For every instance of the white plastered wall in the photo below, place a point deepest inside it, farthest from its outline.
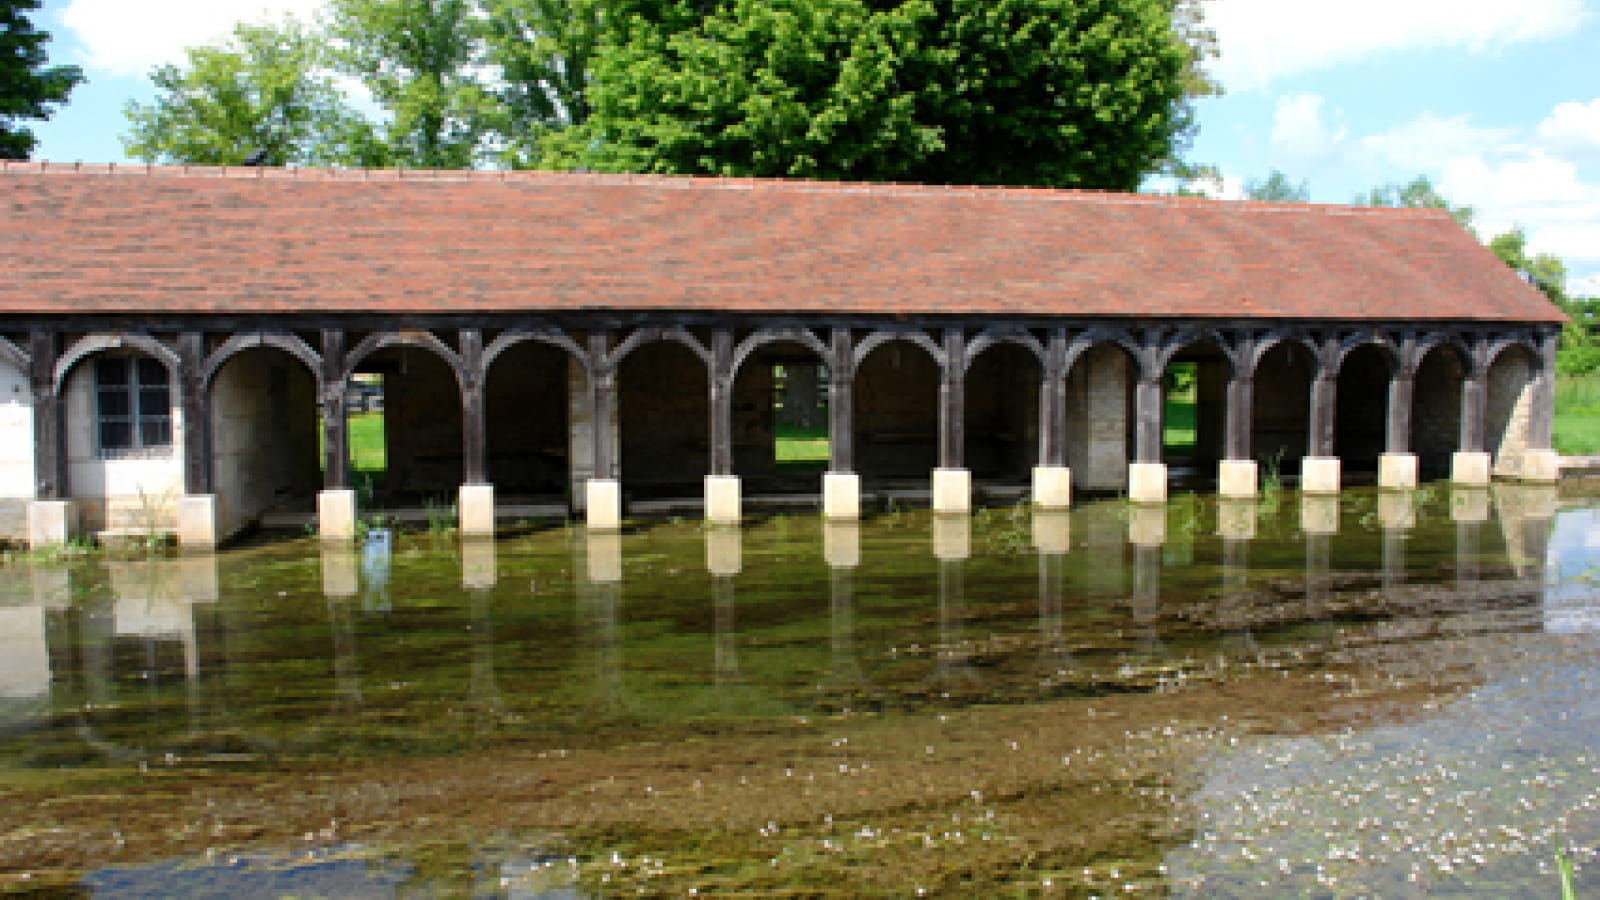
(118, 494)
(17, 481)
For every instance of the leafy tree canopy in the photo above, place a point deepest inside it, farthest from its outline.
(1419, 193)
(1045, 92)
(1277, 188)
(28, 87)
(268, 90)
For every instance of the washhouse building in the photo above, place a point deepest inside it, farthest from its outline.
(181, 348)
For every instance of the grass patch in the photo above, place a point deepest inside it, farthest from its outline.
(1577, 419)
(366, 442)
(801, 447)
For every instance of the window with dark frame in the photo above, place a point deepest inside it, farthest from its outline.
(133, 406)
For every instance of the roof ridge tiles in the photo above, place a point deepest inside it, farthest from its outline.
(685, 182)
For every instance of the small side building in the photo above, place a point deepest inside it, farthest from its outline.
(180, 347)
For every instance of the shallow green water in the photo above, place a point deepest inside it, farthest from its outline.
(1451, 636)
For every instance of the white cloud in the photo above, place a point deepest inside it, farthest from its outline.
(1263, 40)
(1422, 143)
(1300, 138)
(1573, 128)
(128, 37)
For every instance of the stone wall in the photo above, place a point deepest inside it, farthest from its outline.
(1509, 403)
(1099, 416)
(1436, 411)
(264, 433)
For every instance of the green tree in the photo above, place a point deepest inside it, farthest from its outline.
(267, 90)
(28, 87)
(1419, 193)
(422, 60)
(1048, 92)
(1277, 188)
(545, 51)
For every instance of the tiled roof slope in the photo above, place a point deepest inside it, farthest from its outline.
(167, 240)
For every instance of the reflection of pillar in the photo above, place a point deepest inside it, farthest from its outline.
(478, 564)
(842, 548)
(599, 599)
(1526, 514)
(1469, 509)
(484, 693)
(724, 561)
(952, 545)
(1145, 603)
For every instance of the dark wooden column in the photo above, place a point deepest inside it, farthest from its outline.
(474, 427)
(1236, 444)
(841, 402)
(196, 402)
(1402, 387)
(1053, 403)
(1324, 389)
(952, 401)
(720, 382)
(1148, 399)
(1472, 412)
(49, 443)
(335, 434)
(602, 397)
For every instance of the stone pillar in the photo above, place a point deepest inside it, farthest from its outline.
(1237, 474)
(197, 522)
(1470, 468)
(952, 491)
(1320, 474)
(51, 523)
(335, 433)
(1397, 471)
(952, 483)
(603, 504)
(722, 499)
(336, 514)
(475, 510)
(841, 496)
(1052, 487)
(841, 486)
(1147, 475)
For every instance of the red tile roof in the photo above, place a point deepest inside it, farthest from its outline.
(171, 240)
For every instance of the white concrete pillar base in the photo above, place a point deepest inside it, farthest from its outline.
(475, 510)
(51, 523)
(841, 544)
(1237, 478)
(1052, 531)
(1397, 471)
(1147, 525)
(1147, 482)
(1469, 504)
(724, 550)
(722, 499)
(841, 496)
(336, 515)
(1320, 475)
(1052, 487)
(1236, 518)
(952, 537)
(1319, 514)
(603, 504)
(197, 521)
(952, 491)
(1470, 469)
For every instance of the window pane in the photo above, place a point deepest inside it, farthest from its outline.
(152, 372)
(115, 436)
(111, 370)
(114, 402)
(155, 432)
(154, 402)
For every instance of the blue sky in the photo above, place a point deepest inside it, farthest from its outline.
(1497, 102)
